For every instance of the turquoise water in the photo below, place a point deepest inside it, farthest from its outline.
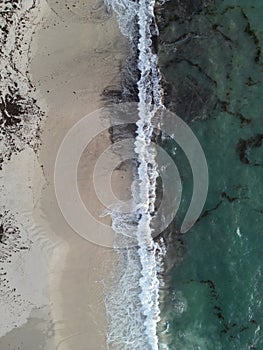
(212, 298)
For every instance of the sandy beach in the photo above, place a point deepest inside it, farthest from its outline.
(73, 57)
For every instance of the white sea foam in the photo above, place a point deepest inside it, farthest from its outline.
(133, 302)
(126, 11)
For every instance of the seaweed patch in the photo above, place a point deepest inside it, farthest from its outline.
(244, 148)
(11, 242)
(20, 117)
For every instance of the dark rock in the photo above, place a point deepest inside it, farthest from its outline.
(122, 132)
(186, 9)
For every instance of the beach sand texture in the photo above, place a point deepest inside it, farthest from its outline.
(75, 53)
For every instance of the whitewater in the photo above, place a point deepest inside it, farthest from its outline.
(133, 301)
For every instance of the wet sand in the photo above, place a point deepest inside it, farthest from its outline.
(72, 64)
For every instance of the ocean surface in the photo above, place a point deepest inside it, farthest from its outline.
(211, 61)
(201, 289)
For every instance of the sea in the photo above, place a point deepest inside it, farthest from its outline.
(201, 288)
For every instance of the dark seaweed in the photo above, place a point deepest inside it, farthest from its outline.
(244, 146)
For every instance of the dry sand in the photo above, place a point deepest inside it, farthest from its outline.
(74, 56)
